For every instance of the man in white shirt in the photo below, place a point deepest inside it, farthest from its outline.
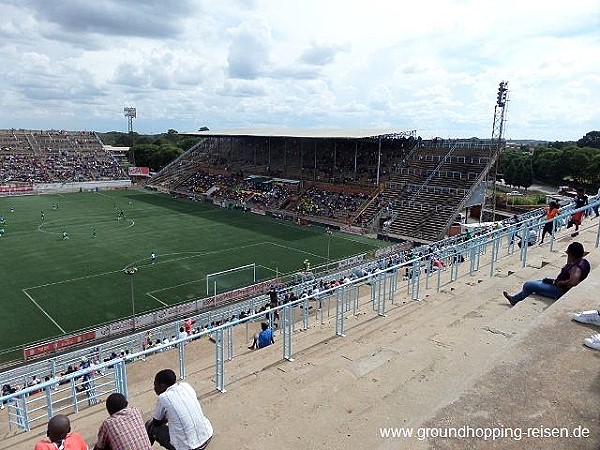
(178, 422)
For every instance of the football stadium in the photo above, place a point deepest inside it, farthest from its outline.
(370, 258)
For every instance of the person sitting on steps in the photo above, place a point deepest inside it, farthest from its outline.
(574, 272)
(264, 338)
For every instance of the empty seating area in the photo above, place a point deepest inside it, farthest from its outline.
(177, 172)
(437, 180)
(34, 156)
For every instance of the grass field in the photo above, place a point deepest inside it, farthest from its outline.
(51, 286)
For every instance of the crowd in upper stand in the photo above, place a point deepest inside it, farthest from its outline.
(54, 156)
(328, 160)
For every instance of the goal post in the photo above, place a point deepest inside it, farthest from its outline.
(230, 279)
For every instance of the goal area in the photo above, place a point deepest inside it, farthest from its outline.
(230, 279)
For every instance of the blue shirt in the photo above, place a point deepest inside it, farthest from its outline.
(265, 338)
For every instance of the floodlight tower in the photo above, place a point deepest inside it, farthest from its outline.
(498, 142)
(130, 113)
(499, 110)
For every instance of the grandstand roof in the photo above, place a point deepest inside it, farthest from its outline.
(341, 133)
(112, 148)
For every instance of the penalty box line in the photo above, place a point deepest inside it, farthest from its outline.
(43, 311)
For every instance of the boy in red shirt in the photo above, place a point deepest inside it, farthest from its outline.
(60, 436)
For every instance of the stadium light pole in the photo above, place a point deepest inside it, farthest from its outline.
(329, 236)
(131, 113)
(131, 271)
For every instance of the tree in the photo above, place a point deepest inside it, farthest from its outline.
(591, 139)
(156, 156)
(515, 166)
(547, 165)
(154, 151)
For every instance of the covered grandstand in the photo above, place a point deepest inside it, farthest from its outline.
(393, 184)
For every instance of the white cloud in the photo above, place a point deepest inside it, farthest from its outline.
(248, 53)
(433, 65)
(319, 54)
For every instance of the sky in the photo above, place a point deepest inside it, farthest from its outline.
(432, 65)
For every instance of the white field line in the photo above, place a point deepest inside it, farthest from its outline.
(176, 286)
(44, 312)
(267, 268)
(157, 299)
(297, 250)
(149, 293)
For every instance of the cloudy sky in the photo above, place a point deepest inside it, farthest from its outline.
(429, 65)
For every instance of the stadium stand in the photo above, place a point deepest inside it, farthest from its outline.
(422, 186)
(432, 186)
(33, 156)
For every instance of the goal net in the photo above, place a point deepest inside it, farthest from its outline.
(228, 280)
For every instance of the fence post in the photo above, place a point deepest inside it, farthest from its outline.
(339, 312)
(181, 359)
(286, 328)
(219, 361)
(381, 291)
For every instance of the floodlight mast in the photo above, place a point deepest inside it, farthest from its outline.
(498, 142)
(131, 113)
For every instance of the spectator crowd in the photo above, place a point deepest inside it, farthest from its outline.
(54, 156)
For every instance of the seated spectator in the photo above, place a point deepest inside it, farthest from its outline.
(60, 436)
(124, 428)
(7, 389)
(182, 333)
(178, 421)
(574, 272)
(438, 264)
(264, 338)
(187, 324)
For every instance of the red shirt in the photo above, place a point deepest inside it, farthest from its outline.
(73, 441)
(551, 213)
(188, 325)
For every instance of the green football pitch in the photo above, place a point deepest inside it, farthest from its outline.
(52, 286)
